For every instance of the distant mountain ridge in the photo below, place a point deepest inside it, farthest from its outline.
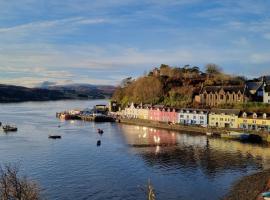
(12, 93)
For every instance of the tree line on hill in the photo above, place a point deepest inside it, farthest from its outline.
(172, 86)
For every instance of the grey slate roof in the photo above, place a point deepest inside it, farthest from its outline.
(226, 111)
(213, 89)
(254, 85)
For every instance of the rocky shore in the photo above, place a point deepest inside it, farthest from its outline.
(250, 187)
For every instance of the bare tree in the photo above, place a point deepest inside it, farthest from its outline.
(16, 187)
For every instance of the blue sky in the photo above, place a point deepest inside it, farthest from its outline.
(102, 42)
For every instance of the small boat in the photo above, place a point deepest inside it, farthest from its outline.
(266, 195)
(209, 133)
(244, 137)
(55, 136)
(100, 131)
(8, 128)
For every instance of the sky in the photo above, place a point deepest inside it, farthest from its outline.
(105, 41)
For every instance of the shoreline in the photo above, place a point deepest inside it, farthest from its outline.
(187, 128)
(250, 187)
(160, 125)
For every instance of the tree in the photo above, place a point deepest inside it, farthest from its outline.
(125, 82)
(15, 187)
(212, 69)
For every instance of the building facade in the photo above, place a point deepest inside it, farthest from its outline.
(131, 111)
(254, 121)
(155, 113)
(224, 118)
(193, 117)
(169, 115)
(266, 93)
(143, 112)
(217, 95)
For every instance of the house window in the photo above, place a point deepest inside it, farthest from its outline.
(221, 97)
(194, 117)
(181, 116)
(201, 117)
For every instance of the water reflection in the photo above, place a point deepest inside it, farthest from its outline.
(213, 156)
(137, 136)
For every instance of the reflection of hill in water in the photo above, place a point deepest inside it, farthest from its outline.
(181, 151)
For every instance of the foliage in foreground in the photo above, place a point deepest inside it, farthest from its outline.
(16, 187)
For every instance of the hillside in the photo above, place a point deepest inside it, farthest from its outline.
(172, 86)
(11, 93)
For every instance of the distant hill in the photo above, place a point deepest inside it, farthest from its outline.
(11, 93)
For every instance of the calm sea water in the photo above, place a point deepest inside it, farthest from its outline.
(182, 166)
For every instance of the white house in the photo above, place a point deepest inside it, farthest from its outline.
(131, 111)
(193, 117)
(266, 93)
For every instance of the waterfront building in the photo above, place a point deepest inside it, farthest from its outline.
(217, 95)
(193, 117)
(143, 111)
(131, 111)
(255, 90)
(224, 118)
(169, 115)
(266, 93)
(254, 121)
(155, 113)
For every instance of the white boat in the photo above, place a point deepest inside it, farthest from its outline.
(209, 133)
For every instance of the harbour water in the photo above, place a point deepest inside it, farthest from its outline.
(179, 165)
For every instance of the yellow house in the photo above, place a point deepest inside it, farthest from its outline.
(224, 118)
(143, 112)
(254, 121)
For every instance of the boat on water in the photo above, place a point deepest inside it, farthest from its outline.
(209, 133)
(54, 136)
(243, 137)
(9, 128)
(100, 131)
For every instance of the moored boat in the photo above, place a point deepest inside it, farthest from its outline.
(209, 133)
(8, 128)
(55, 136)
(100, 131)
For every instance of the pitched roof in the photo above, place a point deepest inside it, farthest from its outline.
(254, 85)
(235, 89)
(193, 109)
(259, 115)
(225, 111)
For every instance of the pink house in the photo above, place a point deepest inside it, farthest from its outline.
(169, 115)
(155, 113)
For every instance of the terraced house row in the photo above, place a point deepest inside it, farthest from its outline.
(220, 118)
